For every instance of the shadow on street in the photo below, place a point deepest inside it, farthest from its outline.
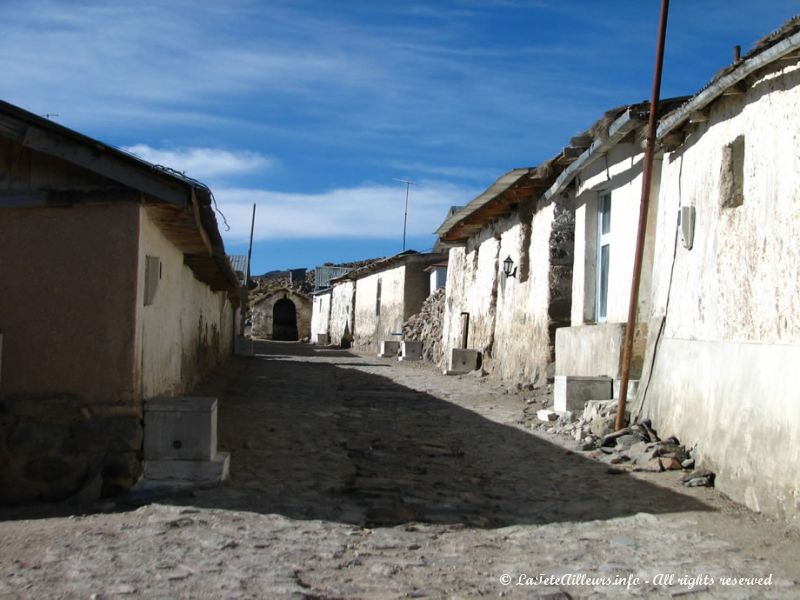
(312, 437)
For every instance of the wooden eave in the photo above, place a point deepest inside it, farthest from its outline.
(500, 206)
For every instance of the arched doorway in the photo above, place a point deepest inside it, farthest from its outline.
(284, 320)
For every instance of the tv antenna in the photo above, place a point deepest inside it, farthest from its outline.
(48, 115)
(405, 216)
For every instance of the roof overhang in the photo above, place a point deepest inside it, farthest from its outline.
(180, 205)
(622, 126)
(497, 200)
(727, 81)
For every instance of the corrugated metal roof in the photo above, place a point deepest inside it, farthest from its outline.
(238, 262)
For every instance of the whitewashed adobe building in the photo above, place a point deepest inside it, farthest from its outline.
(370, 304)
(114, 289)
(725, 304)
(605, 185)
(510, 318)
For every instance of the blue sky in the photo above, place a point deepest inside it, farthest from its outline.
(311, 108)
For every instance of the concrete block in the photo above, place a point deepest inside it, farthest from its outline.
(243, 346)
(410, 351)
(590, 350)
(323, 339)
(463, 360)
(190, 472)
(182, 428)
(633, 389)
(389, 348)
(572, 392)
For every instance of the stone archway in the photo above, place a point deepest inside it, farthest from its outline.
(284, 320)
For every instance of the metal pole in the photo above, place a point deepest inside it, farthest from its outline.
(405, 215)
(643, 208)
(250, 248)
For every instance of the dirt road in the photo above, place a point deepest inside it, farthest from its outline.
(359, 477)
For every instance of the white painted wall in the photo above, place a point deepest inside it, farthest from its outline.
(320, 314)
(188, 327)
(371, 326)
(508, 317)
(722, 377)
(586, 348)
(620, 172)
(342, 306)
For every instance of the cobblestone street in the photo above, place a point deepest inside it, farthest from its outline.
(359, 477)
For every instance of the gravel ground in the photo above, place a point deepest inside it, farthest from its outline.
(359, 477)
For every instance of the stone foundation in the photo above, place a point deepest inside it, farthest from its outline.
(52, 446)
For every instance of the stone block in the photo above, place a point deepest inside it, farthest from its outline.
(180, 429)
(594, 409)
(410, 350)
(463, 360)
(389, 348)
(323, 339)
(572, 392)
(188, 472)
(243, 346)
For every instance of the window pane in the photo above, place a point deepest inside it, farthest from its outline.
(602, 301)
(605, 211)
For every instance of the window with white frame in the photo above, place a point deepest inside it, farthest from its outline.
(603, 254)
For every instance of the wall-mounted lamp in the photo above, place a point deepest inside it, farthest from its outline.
(508, 268)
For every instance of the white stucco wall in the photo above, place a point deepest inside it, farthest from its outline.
(188, 327)
(508, 317)
(731, 340)
(342, 305)
(589, 349)
(620, 173)
(471, 276)
(370, 326)
(320, 314)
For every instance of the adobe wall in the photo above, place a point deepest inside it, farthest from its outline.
(70, 406)
(320, 314)
(731, 339)
(187, 329)
(376, 321)
(590, 347)
(512, 320)
(342, 313)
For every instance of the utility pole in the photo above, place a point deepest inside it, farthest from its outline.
(647, 173)
(405, 215)
(250, 247)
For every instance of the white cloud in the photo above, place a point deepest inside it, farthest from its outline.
(203, 163)
(366, 212)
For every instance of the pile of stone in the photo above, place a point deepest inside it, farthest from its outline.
(634, 448)
(426, 327)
